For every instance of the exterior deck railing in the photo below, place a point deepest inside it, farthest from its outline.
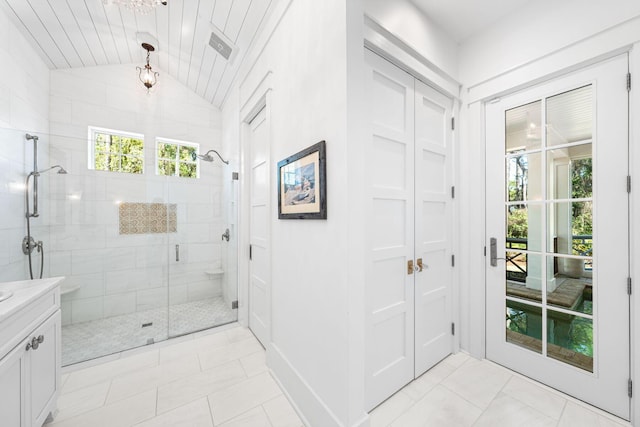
(516, 261)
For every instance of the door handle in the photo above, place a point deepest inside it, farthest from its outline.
(493, 252)
(419, 262)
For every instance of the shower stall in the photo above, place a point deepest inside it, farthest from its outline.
(146, 256)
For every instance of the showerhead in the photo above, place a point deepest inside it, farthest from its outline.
(31, 137)
(61, 170)
(207, 157)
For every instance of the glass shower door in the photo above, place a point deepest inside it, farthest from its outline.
(202, 284)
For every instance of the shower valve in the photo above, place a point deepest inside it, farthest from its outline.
(28, 245)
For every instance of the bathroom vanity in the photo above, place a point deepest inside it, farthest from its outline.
(30, 351)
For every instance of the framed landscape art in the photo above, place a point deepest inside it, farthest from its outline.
(302, 185)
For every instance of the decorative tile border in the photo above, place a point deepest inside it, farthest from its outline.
(148, 218)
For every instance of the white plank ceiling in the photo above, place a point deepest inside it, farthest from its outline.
(85, 33)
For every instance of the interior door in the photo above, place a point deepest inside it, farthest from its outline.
(433, 218)
(408, 303)
(557, 207)
(390, 269)
(259, 273)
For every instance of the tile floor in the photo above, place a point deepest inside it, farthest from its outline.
(219, 377)
(463, 391)
(96, 338)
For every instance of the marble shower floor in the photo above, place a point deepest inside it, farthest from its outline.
(96, 338)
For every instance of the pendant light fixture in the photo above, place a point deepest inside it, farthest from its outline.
(139, 6)
(147, 76)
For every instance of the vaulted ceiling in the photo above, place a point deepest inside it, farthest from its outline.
(85, 33)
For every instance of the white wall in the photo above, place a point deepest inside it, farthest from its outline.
(24, 107)
(406, 22)
(536, 30)
(540, 41)
(533, 44)
(120, 274)
(310, 349)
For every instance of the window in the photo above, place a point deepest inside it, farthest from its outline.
(176, 158)
(116, 151)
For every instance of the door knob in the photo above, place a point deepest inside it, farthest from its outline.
(419, 262)
(35, 342)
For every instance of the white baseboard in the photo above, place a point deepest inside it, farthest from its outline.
(312, 410)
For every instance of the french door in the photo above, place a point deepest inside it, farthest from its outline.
(557, 234)
(408, 277)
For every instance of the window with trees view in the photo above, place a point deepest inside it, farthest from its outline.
(115, 151)
(176, 158)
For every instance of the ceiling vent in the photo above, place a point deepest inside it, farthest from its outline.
(221, 44)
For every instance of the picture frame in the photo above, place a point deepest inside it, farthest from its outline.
(302, 184)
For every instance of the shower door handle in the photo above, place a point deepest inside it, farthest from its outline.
(177, 253)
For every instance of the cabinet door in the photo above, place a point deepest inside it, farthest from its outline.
(12, 387)
(44, 369)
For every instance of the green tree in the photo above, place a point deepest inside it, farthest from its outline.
(517, 226)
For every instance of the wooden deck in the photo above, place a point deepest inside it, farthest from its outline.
(569, 294)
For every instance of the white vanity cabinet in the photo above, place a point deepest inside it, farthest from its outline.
(30, 355)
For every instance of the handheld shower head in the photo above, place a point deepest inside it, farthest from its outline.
(207, 157)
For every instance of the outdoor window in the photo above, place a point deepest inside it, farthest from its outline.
(116, 151)
(176, 158)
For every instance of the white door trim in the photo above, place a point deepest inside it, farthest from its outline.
(258, 99)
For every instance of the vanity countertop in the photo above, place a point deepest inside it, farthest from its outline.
(24, 292)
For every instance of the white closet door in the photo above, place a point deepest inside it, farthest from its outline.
(259, 270)
(433, 218)
(390, 294)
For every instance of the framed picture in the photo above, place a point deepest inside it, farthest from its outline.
(302, 184)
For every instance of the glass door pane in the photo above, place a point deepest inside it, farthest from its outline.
(549, 227)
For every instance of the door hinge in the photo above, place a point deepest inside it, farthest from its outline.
(234, 304)
(453, 328)
(630, 388)
(628, 82)
(453, 123)
(628, 285)
(250, 252)
(485, 251)
(453, 260)
(453, 192)
(628, 183)
(234, 176)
